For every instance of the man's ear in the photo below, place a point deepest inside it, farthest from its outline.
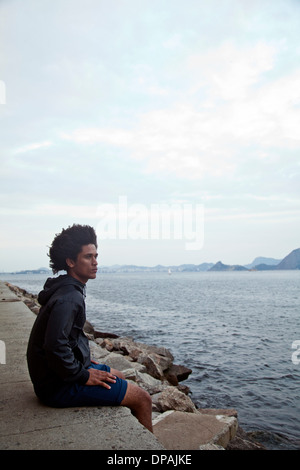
(70, 263)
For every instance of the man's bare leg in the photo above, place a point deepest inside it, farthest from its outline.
(140, 403)
(138, 400)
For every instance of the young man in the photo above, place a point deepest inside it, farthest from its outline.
(58, 352)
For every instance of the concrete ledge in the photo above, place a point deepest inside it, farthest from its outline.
(26, 424)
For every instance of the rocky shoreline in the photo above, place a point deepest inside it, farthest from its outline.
(153, 369)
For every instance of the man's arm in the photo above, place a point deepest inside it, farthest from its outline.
(57, 346)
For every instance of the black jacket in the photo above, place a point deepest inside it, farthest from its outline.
(58, 350)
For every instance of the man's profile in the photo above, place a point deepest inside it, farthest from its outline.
(58, 352)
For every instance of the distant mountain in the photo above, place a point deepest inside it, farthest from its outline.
(33, 271)
(263, 261)
(193, 267)
(264, 267)
(291, 261)
(219, 266)
(157, 268)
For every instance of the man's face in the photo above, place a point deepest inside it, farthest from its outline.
(85, 266)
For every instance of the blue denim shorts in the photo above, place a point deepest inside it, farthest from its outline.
(89, 395)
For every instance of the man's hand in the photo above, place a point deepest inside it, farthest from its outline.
(100, 377)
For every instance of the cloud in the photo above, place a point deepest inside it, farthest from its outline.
(110, 136)
(228, 114)
(144, 80)
(58, 210)
(229, 70)
(33, 146)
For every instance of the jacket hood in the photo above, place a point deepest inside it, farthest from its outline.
(54, 283)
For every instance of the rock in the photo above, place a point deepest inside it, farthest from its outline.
(144, 380)
(97, 353)
(106, 343)
(158, 360)
(183, 388)
(150, 384)
(163, 361)
(172, 399)
(116, 361)
(218, 411)
(211, 447)
(127, 346)
(228, 432)
(155, 364)
(134, 348)
(243, 441)
(130, 374)
(89, 329)
(100, 334)
(178, 430)
(177, 373)
(160, 351)
(138, 367)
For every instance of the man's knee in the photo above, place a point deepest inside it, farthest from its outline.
(145, 396)
(136, 397)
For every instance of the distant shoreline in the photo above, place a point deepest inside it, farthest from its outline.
(290, 262)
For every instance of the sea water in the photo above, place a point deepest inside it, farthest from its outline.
(235, 330)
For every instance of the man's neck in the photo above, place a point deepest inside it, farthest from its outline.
(74, 276)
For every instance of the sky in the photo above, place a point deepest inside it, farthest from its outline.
(171, 127)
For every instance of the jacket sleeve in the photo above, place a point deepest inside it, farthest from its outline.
(58, 350)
